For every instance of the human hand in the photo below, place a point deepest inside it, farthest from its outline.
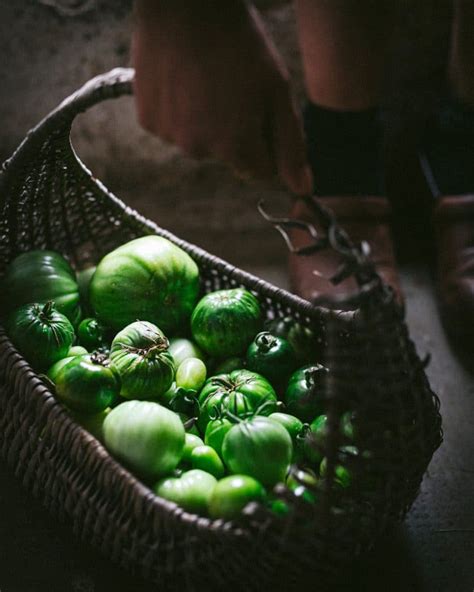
(209, 80)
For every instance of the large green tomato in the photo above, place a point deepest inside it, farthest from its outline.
(87, 383)
(225, 322)
(240, 392)
(140, 354)
(41, 334)
(146, 437)
(40, 276)
(148, 278)
(232, 494)
(259, 447)
(192, 491)
(305, 393)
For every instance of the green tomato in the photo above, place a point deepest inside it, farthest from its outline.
(229, 365)
(224, 322)
(207, 459)
(191, 491)
(41, 276)
(56, 367)
(91, 334)
(272, 357)
(146, 437)
(216, 431)
(191, 441)
(83, 280)
(191, 374)
(148, 278)
(347, 425)
(93, 423)
(232, 494)
(291, 424)
(316, 439)
(140, 354)
(182, 349)
(342, 474)
(305, 393)
(306, 345)
(77, 350)
(240, 392)
(41, 334)
(259, 447)
(303, 483)
(87, 383)
(190, 425)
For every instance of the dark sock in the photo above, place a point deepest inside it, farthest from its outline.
(345, 150)
(449, 149)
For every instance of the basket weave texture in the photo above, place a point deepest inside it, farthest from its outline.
(49, 200)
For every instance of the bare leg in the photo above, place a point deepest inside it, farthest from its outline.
(344, 45)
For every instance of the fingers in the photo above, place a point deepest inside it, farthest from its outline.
(288, 143)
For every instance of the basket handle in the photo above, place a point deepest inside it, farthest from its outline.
(119, 82)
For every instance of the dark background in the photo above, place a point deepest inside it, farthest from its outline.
(45, 56)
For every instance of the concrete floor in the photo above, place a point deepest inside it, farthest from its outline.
(432, 551)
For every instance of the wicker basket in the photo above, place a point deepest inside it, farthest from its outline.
(48, 199)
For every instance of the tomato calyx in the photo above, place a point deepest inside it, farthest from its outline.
(100, 358)
(265, 342)
(45, 313)
(312, 373)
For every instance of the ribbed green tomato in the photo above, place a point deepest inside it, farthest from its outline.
(259, 447)
(41, 334)
(191, 491)
(40, 276)
(224, 322)
(181, 349)
(232, 494)
(272, 357)
(91, 334)
(146, 437)
(207, 459)
(239, 392)
(140, 354)
(191, 374)
(216, 431)
(305, 393)
(148, 278)
(87, 383)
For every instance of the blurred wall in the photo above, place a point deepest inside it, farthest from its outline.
(47, 53)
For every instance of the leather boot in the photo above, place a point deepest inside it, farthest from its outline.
(363, 218)
(454, 231)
